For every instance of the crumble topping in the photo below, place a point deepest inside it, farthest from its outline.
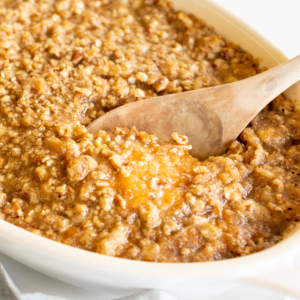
(124, 193)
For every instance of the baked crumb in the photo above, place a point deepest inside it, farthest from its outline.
(124, 193)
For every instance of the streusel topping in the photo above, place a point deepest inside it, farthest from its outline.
(125, 193)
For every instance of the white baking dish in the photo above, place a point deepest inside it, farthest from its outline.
(274, 268)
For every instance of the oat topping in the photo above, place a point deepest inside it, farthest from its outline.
(124, 193)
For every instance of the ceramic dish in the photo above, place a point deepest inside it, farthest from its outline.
(275, 268)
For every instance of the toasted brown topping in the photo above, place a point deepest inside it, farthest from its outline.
(124, 193)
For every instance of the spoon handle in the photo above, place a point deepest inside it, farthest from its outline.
(246, 98)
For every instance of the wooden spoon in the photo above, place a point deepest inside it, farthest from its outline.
(211, 117)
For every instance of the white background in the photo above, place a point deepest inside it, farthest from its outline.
(279, 21)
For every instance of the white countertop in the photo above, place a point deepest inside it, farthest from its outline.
(279, 21)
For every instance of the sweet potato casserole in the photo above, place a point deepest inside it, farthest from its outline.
(124, 193)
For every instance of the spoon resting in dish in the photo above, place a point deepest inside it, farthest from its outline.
(212, 117)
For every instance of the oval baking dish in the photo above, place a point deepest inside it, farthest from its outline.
(120, 277)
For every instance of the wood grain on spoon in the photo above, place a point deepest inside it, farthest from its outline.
(211, 117)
